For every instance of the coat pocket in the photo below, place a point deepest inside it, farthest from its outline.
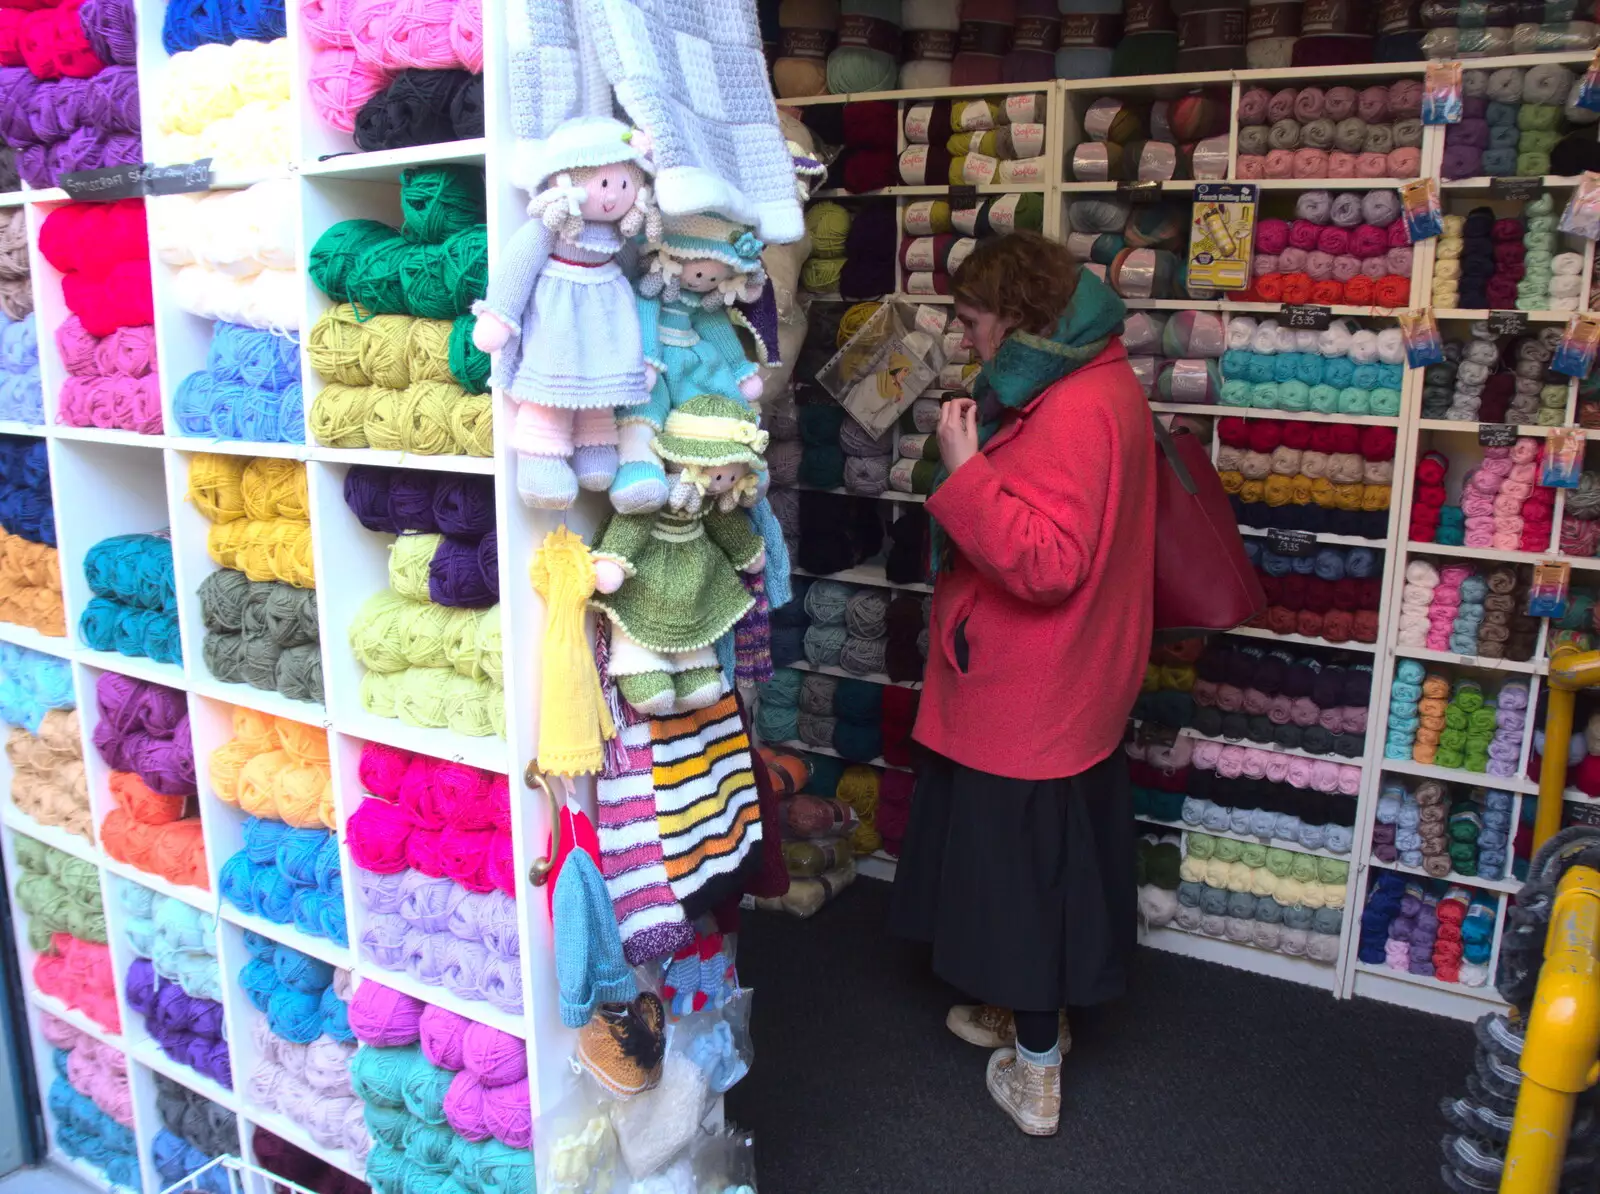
(950, 620)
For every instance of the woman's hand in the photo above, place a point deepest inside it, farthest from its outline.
(958, 432)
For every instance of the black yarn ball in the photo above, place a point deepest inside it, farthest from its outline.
(466, 109)
(415, 109)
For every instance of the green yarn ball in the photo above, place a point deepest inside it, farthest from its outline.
(438, 201)
(337, 250)
(469, 364)
(375, 283)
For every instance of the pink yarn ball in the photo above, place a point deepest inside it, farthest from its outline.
(382, 1016)
(496, 1057)
(382, 768)
(327, 24)
(340, 83)
(77, 347)
(509, 1113)
(404, 34)
(443, 1037)
(466, 35)
(465, 1107)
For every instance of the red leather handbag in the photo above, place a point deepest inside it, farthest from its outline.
(1204, 581)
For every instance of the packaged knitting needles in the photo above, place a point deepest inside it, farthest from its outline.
(1419, 203)
(1582, 214)
(1423, 344)
(1221, 233)
(1441, 93)
(1589, 86)
(1563, 458)
(1575, 354)
(1552, 582)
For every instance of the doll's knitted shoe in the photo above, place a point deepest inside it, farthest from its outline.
(623, 1044)
(650, 693)
(697, 688)
(640, 488)
(546, 482)
(1029, 1093)
(595, 465)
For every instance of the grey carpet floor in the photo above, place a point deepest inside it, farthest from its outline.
(1202, 1079)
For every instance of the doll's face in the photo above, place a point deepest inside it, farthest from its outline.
(610, 192)
(724, 476)
(702, 277)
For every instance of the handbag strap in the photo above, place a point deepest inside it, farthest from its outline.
(1170, 449)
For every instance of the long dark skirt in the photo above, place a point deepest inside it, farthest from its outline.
(1024, 887)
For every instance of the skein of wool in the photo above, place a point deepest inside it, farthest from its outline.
(1211, 34)
(986, 27)
(1399, 31)
(1149, 44)
(808, 29)
(929, 41)
(1090, 29)
(1335, 32)
(867, 54)
(1272, 27)
(422, 107)
(1035, 38)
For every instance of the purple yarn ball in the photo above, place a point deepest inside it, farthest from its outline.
(112, 103)
(18, 85)
(110, 27)
(33, 164)
(122, 149)
(83, 150)
(455, 576)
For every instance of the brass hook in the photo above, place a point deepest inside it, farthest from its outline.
(539, 872)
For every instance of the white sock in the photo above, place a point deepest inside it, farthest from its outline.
(1052, 1056)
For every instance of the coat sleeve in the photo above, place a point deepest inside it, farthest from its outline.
(1034, 533)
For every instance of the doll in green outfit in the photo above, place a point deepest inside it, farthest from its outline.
(701, 267)
(669, 581)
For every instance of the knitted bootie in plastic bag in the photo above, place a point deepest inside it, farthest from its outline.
(680, 987)
(623, 1044)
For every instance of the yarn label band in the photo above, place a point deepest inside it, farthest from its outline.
(1508, 323)
(1394, 16)
(1092, 30)
(1153, 16)
(1523, 190)
(1143, 191)
(1040, 34)
(985, 37)
(1307, 319)
(806, 43)
(869, 33)
(926, 45)
(1292, 543)
(1497, 435)
(1333, 16)
(1272, 20)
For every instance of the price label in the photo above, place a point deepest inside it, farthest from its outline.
(1496, 435)
(1308, 319)
(178, 179)
(1151, 734)
(1508, 323)
(1522, 189)
(1144, 191)
(1582, 814)
(963, 193)
(1292, 543)
(106, 184)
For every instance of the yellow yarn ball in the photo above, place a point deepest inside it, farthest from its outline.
(339, 415)
(965, 143)
(820, 275)
(472, 424)
(215, 485)
(380, 692)
(409, 557)
(854, 320)
(304, 744)
(858, 787)
(416, 419)
(275, 488)
(427, 350)
(828, 225)
(374, 633)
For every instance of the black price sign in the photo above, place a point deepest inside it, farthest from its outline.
(1148, 191)
(964, 194)
(1151, 734)
(1496, 435)
(1308, 319)
(137, 179)
(1508, 323)
(1292, 543)
(1523, 189)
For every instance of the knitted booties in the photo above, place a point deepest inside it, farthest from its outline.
(650, 693)
(697, 688)
(546, 482)
(640, 487)
(717, 979)
(680, 985)
(595, 466)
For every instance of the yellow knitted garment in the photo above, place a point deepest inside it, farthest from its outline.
(573, 719)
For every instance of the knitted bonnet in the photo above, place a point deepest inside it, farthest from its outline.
(707, 237)
(711, 430)
(583, 141)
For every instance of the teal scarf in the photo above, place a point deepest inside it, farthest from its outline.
(1027, 364)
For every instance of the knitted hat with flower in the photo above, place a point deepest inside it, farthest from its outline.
(711, 430)
(707, 237)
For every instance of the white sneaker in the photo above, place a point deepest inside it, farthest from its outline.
(1030, 1094)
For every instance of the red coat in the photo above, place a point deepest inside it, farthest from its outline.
(1041, 622)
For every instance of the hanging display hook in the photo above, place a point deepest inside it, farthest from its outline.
(539, 872)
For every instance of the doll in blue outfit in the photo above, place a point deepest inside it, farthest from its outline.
(701, 267)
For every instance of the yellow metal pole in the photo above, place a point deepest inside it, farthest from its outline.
(1553, 764)
(1562, 1041)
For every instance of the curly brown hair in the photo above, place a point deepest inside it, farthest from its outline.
(1022, 277)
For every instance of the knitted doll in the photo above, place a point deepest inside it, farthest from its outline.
(562, 301)
(669, 581)
(701, 267)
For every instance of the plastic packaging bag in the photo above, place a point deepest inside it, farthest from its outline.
(575, 1147)
(806, 897)
(725, 1162)
(884, 367)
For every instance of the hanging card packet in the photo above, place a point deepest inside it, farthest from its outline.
(1421, 334)
(1441, 93)
(1575, 354)
(1582, 214)
(884, 367)
(1589, 86)
(1419, 201)
(1547, 597)
(1563, 458)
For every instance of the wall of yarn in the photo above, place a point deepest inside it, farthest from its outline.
(861, 721)
(852, 250)
(259, 608)
(443, 1095)
(107, 342)
(1497, 379)
(68, 70)
(134, 610)
(21, 391)
(396, 77)
(276, 772)
(1470, 609)
(293, 1163)
(228, 101)
(1335, 132)
(303, 1043)
(173, 983)
(1425, 824)
(142, 734)
(429, 645)
(1443, 718)
(1328, 489)
(819, 832)
(1455, 30)
(248, 390)
(44, 745)
(1507, 256)
(1428, 928)
(1128, 139)
(1517, 121)
(90, 1103)
(66, 925)
(1140, 251)
(1497, 499)
(1245, 792)
(1350, 248)
(396, 351)
(193, 1131)
(1333, 594)
(855, 627)
(1244, 892)
(433, 841)
(30, 567)
(1311, 701)
(977, 142)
